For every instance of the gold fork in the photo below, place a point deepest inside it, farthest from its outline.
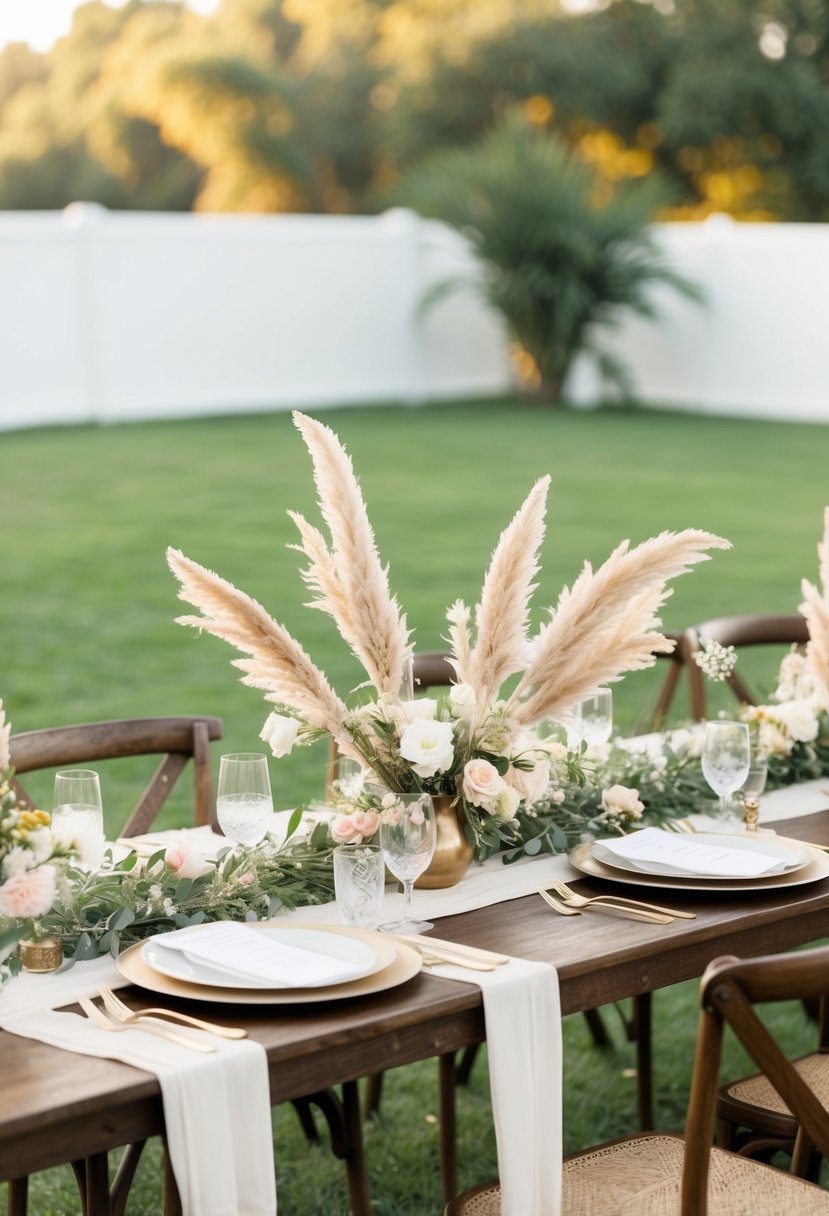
(583, 901)
(576, 905)
(100, 1019)
(123, 1013)
(558, 905)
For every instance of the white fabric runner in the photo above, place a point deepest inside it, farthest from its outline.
(217, 1109)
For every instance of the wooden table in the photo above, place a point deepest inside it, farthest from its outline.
(57, 1107)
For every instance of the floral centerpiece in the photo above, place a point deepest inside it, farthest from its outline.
(477, 746)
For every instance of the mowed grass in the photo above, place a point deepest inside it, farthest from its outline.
(87, 631)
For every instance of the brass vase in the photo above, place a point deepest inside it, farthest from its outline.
(40, 954)
(453, 852)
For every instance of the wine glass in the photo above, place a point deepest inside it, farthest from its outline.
(77, 811)
(407, 837)
(597, 718)
(726, 754)
(244, 804)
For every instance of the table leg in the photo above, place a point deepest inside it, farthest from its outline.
(17, 1197)
(96, 1186)
(644, 1059)
(359, 1187)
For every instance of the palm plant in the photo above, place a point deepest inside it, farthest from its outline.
(560, 257)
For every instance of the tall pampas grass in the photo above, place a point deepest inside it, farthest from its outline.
(606, 624)
(277, 663)
(502, 617)
(815, 608)
(350, 581)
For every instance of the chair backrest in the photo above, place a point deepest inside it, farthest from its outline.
(176, 740)
(753, 629)
(729, 990)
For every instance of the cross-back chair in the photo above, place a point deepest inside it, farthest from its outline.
(178, 741)
(668, 1175)
(752, 629)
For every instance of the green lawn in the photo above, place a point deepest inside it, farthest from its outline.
(87, 631)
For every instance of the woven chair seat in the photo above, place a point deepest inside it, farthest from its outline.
(642, 1177)
(759, 1092)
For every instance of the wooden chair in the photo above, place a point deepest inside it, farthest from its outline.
(754, 1120)
(668, 1175)
(754, 629)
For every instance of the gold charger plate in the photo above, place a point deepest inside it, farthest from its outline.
(582, 859)
(406, 964)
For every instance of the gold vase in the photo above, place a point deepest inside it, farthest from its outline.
(453, 852)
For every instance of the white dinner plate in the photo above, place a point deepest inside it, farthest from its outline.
(405, 964)
(793, 855)
(818, 867)
(365, 955)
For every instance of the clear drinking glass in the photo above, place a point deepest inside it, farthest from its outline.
(77, 810)
(755, 782)
(407, 838)
(726, 754)
(596, 723)
(244, 804)
(359, 882)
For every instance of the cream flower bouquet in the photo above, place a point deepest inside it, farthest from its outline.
(478, 744)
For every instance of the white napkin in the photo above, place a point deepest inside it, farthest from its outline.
(202, 840)
(239, 951)
(217, 1110)
(522, 1012)
(655, 851)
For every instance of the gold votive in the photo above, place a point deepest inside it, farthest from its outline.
(40, 954)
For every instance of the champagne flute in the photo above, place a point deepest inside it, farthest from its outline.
(726, 754)
(77, 812)
(597, 717)
(244, 804)
(407, 837)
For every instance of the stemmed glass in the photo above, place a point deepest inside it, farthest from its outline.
(244, 804)
(77, 810)
(726, 754)
(597, 718)
(407, 837)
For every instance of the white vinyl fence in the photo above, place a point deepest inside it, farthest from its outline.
(113, 316)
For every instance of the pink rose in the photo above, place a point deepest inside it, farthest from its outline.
(365, 822)
(30, 894)
(247, 879)
(532, 783)
(185, 862)
(344, 831)
(481, 783)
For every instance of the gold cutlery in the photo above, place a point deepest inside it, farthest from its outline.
(116, 1007)
(569, 908)
(582, 901)
(455, 952)
(101, 1020)
(443, 960)
(680, 826)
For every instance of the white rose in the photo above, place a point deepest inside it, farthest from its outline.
(280, 733)
(463, 701)
(772, 740)
(799, 719)
(622, 800)
(532, 783)
(428, 746)
(482, 783)
(422, 708)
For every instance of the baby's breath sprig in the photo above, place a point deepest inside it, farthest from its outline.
(715, 660)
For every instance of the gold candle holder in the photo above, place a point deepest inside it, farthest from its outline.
(752, 812)
(40, 954)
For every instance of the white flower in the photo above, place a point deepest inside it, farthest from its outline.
(622, 800)
(715, 660)
(428, 746)
(280, 733)
(463, 701)
(796, 679)
(799, 720)
(17, 861)
(505, 803)
(41, 843)
(422, 708)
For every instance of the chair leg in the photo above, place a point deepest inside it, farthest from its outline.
(598, 1031)
(17, 1197)
(373, 1094)
(124, 1175)
(96, 1198)
(302, 1106)
(448, 1079)
(464, 1068)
